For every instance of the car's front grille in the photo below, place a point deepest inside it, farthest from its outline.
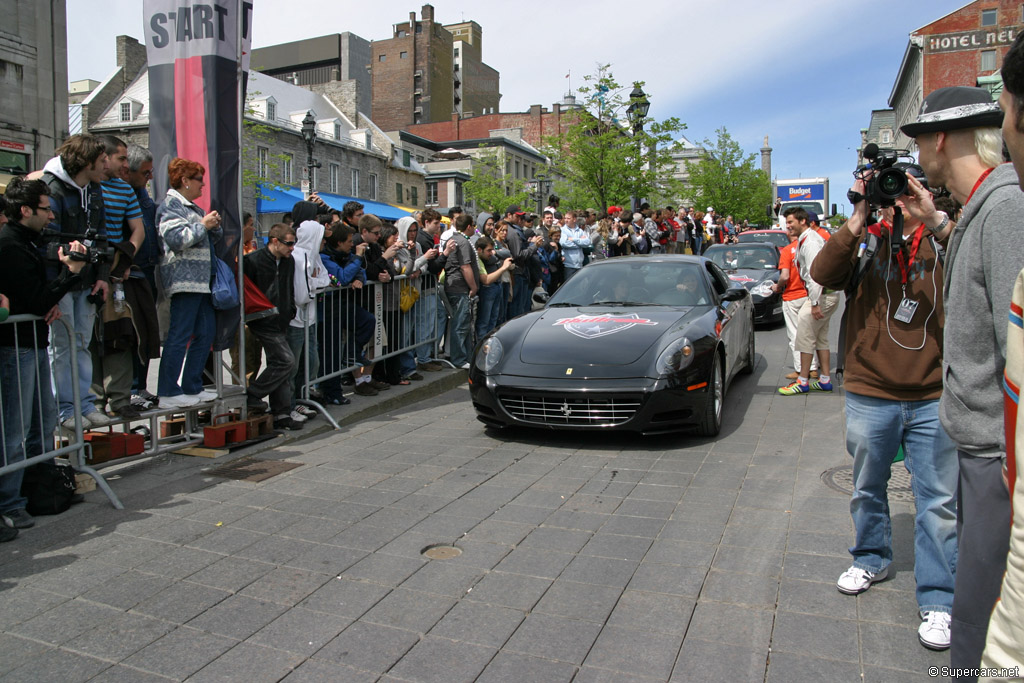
(761, 310)
(554, 409)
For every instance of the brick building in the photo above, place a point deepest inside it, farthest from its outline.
(965, 47)
(536, 124)
(424, 73)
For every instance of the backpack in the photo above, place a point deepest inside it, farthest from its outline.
(49, 488)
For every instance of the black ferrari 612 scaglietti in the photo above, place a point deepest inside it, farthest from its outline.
(645, 343)
(756, 267)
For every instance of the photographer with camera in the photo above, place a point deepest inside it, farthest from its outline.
(958, 135)
(73, 179)
(893, 379)
(26, 400)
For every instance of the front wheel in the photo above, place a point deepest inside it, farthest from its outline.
(711, 421)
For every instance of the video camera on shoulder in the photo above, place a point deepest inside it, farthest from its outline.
(888, 180)
(97, 248)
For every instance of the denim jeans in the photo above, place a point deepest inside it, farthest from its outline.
(443, 331)
(501, 307)
(461, 342)
(275, 381)
(521, 292)
(192, 318)
(296, 342)
(425, 311)
(80, 315)
(875, 429)
(407, 337)
(486, 314)
(28, 415)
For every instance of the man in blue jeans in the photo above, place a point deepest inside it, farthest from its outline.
(460, 284)
(893, 382)
(522, 250)
(27, 409)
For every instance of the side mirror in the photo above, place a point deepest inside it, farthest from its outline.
(541, 297)
(734, 294)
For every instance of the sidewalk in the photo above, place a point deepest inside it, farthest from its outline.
(584, 557)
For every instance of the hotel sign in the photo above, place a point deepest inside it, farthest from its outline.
(971, 40)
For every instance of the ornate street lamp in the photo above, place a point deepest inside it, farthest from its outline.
(639, 105)
(309, 135)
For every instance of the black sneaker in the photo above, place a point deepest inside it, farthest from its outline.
(286, 422)
(7, 533)
(366, 389)
(128, 412)
(19, 519)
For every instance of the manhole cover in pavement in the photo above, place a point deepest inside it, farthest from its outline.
(253, 469)
(440, 552)
(841, 479)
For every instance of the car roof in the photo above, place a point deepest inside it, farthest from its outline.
(744, 245)
(657, 258)
(764, 232)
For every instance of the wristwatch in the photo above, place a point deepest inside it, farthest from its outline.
(942, 224)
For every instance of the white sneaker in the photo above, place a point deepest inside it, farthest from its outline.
(305, 411)
(203, 396)
(96, 418)
(68, 425)
(464, 366)
(856, 580)
(934, 630)
(179, 401)
(297, 416)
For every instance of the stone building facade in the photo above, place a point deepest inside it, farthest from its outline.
(33, 84)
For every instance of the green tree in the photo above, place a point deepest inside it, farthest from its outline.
(256, 134)
(728, 180)
(598, 157)
(489, 187)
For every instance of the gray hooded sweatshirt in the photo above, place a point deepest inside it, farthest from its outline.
(984, 256)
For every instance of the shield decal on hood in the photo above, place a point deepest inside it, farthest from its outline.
(593, 326)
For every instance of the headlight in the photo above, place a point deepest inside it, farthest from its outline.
(489, 355)
(675, 357)
(763, 289)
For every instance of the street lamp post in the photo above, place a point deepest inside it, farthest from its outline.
(309, 135)
(639, 105)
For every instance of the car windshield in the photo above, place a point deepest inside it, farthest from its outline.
(635, 283)
(752, 256)
(777, 237)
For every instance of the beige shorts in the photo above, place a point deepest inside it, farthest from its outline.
(812, 334)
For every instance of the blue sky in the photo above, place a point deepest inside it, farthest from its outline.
(805, 73)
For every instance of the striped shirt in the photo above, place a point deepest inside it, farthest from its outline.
(119, 203)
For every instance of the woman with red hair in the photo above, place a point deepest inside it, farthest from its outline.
(186, 270)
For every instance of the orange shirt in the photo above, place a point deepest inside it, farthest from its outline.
(825, 234)
(795, 288)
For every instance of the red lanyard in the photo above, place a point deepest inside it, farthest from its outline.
(981, 179)
(915, 244)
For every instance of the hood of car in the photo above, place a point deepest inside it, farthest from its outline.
(750, 277)
(599, 335)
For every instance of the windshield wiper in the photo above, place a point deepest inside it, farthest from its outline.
(564, 304)
(624, 303)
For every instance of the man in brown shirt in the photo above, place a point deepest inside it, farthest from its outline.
(893, 382)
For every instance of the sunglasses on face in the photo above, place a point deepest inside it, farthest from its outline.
(287, 243)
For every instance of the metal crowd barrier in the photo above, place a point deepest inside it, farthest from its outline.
(333, 346)
(29, 410)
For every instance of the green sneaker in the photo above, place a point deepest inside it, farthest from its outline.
(821, 386)
(794, 389)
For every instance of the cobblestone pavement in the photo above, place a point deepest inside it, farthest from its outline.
(584, 557)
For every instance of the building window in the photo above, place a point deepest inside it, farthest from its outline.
(988, 60)
(126, 111)
(405, 158)
(885, 137)
(517, 168)
(417, 117)
(403, 55)
(456, 53)
(432, 193)
(988, 17)
(355, 182)
(419, 28)
(508, 167)
(398, 193)
(262, 161)
(271, 111)
(371, 191)
(286, 169)
(382, 58)
(337, 131)
(458, 193)
(415, 195)
(335, 174)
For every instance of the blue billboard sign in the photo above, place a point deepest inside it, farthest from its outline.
(801, 192)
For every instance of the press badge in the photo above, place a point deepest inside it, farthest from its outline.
(905, 313)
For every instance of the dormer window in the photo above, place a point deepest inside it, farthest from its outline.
(126, 112)
(337, 131)
(271, 110)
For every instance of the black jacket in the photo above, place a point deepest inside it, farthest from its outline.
(23, 280)
(426, 242)
(70, 217)
(275, 278)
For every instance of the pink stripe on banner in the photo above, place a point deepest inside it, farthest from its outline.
(190, 117)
